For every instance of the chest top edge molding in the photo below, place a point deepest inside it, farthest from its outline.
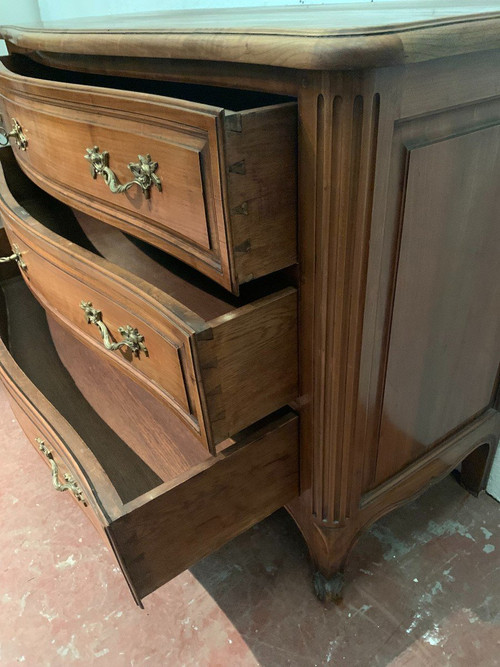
(325, 37)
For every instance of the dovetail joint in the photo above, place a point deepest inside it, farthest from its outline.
(238, 168)
(233, 122)
(242, 209)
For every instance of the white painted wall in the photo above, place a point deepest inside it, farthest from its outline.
(52, 10)
(16, 11)
(27, 10)
(24, 11)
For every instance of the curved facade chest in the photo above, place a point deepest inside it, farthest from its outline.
(267, 245)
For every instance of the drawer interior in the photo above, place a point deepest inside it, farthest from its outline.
(226, 199)
(211, 351)
(194, 290)
(175, 501)
(29, 342)
(232, 99)
(162, 525)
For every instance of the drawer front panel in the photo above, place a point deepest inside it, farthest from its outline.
(233, 222)
(66, 453)
(61, 287)
(38, 420)
(182, 157)
(156, 527)
(211, 371)
(219, 499)
(38, 433)
(157, 536)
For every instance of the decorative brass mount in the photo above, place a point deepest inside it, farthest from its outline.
(15, 257)
(16, 133)
(70, 483)
(131, 336)
(144, 172)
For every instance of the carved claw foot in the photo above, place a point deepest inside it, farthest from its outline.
(328, 590)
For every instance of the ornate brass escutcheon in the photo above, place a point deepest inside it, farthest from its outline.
(143, 171)
(15, 257)
(70, 483)
(131, 336)
(17, 134)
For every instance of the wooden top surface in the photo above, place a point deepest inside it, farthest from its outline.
(304, 36)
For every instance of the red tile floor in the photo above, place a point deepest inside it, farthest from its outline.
(422, 588)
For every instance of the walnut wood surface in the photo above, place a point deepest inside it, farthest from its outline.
(261, 165)
(278, 80)
(61, 292)
(305, 37)
(222, 498)
(234, 353)
(143, 262)
(219, 170)
(261, 340)
(254, 474)
(358, 282)
(397, 109)
(446, 304)
(158, 436)
(40, 386)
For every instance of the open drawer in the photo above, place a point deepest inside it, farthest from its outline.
(219, 363)
(156, 526)
(211, 173)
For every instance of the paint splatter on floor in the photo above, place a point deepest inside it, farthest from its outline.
(422, 588)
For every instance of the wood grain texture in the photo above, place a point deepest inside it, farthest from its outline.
(315, 37)
(340, 125)
(329, 547)
(249, 364)
(7, 269)
(61, 292)
(456, 82)
(445, 330)
(180, 368)
(279, 80)
(190, 217)
(192, 511)
(24, 373)
(373, 87)
(261, 167)
(221, 499)
(158, 436)
(351, 205)
(146, 264)
(385, 242)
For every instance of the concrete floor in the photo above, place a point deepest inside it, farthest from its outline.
(422, 588)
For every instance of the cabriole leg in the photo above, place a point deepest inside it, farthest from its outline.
(476, 468)
(328, 590)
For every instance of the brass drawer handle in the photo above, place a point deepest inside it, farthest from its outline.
(70, 484)
(144, 172)
(15, 257)
(131, 336)
(17, 134)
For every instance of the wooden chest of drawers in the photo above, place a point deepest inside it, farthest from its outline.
(222, 223)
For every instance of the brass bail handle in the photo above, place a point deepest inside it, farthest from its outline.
(131, 336)
(15, 257)
(15, 133)
(70, 483)
(143, 172)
